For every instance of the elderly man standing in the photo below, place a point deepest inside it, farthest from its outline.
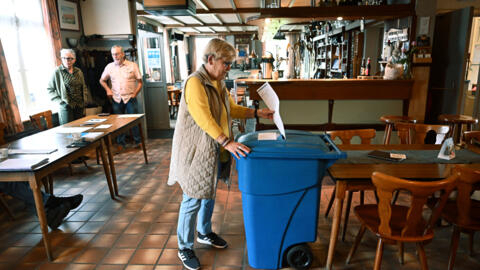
(126, 83)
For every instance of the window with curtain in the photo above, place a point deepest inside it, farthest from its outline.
(29, 54)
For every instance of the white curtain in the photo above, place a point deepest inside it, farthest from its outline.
(28, 52)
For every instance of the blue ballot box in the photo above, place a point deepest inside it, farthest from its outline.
(280, 182)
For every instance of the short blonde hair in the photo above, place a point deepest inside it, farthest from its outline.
(219, 48)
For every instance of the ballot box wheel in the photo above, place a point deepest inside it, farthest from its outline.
(299, 257)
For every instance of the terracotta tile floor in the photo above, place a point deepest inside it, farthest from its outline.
(138, 230)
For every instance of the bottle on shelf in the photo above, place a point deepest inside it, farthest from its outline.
(362, 68)
(368, 69)
(387, 51)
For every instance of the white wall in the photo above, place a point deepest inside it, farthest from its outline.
(106, 17)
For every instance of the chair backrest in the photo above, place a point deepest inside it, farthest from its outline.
(470, 136)
(469, 178)
(416, 225)
(2, 130)
(410, 133)
(366, 135)
(36, 120)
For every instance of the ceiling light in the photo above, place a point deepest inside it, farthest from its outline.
(339, 18)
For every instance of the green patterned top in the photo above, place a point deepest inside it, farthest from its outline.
(69, 88)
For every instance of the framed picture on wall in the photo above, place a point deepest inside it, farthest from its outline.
(242, 50)
(68, 15)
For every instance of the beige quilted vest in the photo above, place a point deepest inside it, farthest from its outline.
(194, 162)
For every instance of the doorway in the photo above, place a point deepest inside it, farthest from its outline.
(154, 78)
(471, 95)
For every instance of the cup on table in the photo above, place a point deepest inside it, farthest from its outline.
(77, 136)
(3, 152)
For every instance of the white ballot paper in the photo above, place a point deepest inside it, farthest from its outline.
(270, 98)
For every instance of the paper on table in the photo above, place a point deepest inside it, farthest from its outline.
(96, 120)
(129, 115)
(70, 130)
(102, 126)
(270, 98)
(91, 136)
(31, 151)
(22, 163)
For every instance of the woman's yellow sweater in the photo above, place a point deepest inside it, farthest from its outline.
(199, 109)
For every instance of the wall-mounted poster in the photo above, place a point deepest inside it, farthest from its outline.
(153, 56)
(242, 50)
(68, 15)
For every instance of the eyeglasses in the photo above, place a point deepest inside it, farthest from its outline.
(227, 64)
(68, 58)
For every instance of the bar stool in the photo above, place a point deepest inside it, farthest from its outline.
(456, 122)
(390, 121)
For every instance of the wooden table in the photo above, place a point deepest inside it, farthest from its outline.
(50, 139)
(119, 125)
(357, 177)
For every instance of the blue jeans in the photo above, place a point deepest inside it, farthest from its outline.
(21, 191)
(187, 216)
(130, 108)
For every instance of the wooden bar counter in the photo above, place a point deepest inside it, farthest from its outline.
(331, 90)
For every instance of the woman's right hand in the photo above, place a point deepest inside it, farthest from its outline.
(237, 149)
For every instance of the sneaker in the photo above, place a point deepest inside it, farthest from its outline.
(74, 201)
(211, 239)
(189, 260)
(56, 214)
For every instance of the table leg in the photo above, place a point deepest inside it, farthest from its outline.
(108, 142)
(105, 168)
(42, 218)
(143, 142)
(340, 191)
(388, 131)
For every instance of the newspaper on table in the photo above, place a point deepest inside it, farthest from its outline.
(22, 163)
(270, 98)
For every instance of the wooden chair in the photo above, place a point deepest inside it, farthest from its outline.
(38, 119)
(366, 136)
(416, 133)
(471, 137)
(390, 121)
(456, 122)
(3, 203)
(174, 95)
(464, 212)
(396, 224)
